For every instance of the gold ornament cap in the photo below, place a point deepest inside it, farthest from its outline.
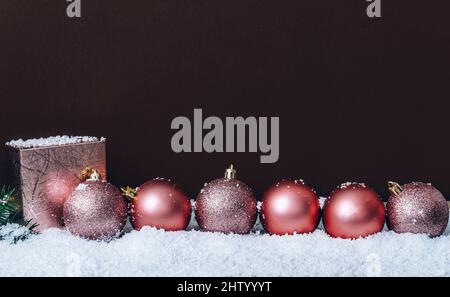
(90, 174)
(230, 173)
(394, 188)
(129, 193)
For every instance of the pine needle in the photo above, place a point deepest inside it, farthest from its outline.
(8, 206)
(9, 210)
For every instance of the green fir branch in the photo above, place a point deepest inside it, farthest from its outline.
(8, 206)
(9, 213)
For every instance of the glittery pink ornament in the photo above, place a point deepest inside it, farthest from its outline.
(95, 210)
(417, 208)
(226, 205)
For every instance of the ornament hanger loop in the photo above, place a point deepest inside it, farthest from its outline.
(230, 173)
(90, 174)
(129, 193)
(394, 188)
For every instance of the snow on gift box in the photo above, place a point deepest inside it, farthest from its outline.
(47, 170)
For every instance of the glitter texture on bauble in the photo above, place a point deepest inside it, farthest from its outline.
(417, 208)
(96, 209)
(226, 205)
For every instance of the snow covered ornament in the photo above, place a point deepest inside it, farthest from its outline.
(226, 205)
(96, 209)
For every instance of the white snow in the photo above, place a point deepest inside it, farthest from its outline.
(349, 184)
(52, 141)
(322, 201)
(81, 187)
(151, 252)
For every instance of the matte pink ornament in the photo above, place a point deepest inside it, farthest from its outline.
(352, 211)
(161, 204)
(290, 207)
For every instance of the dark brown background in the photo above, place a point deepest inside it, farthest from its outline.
(358, 98)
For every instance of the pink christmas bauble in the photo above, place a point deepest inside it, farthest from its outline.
(95, 210)
(161, 204)
(417, 208)
(290, 207)
(226, 205)
(352, 211)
